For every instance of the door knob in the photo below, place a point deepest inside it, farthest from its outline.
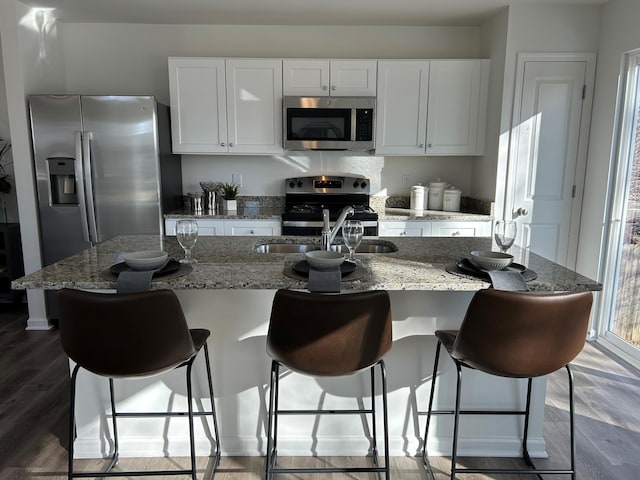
(521, 212)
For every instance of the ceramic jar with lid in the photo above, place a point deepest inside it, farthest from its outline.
(416, 201)
(451, 199)
(436, 191)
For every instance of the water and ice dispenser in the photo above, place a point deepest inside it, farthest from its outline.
(62, 181)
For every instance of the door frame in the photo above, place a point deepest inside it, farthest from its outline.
(615, 211)
(508, 208)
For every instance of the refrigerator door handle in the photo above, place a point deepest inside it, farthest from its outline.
(87, 137)
(79, 170)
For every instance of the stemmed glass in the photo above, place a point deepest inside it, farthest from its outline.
(352, 231)
(187, 235)
(505, 234)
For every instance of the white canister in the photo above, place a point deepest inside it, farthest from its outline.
(416, 201)
(436, 190)
(451, 199)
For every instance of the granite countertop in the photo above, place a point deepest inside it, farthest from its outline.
(413, 215)
(230, 263)
(267, 213)
(243, 213)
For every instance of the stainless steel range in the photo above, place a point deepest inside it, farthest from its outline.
(306, 197)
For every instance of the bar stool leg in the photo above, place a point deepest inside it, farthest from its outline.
(425, 454)
(72, 420)
(213, 411)
(456, 421)
(571, 422)
(272, 419)
(385, 419)
(374, 440)
(192, 443)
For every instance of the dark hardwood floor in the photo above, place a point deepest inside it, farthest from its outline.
(34, 398)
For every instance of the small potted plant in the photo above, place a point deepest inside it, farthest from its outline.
(229, 193)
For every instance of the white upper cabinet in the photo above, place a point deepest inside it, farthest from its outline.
(431, 107)
(340, 78)
(198, 105)
(457, 107)
(226, 106)
(401, 116)
(254, 106)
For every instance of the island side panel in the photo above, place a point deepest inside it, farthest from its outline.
(238, 320)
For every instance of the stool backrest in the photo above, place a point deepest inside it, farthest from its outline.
(124, 334)
(329, 335)
(517, 334)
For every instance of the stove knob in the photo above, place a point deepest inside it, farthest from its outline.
(356, 184)
(300, 183)
(363, 184)
(292, 184)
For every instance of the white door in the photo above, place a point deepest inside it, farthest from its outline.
(305, 78)
(353, 78)
(254, 106)
(401, 117)
(198, 105)
(457, 108)
(548, 154)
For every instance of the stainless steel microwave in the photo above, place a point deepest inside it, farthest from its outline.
(329, 123)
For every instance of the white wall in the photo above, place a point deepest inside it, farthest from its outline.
(32, 60)
(132, 59)
(620, 34)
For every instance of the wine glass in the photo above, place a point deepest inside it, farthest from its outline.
(187, 235)
(352, 231)
(505, 234)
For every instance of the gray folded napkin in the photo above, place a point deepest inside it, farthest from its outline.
(508, 280)
(325, 281)
(136, 280)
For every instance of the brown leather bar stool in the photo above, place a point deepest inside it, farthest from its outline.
(131, 335)
(516, 335)
(328, 335)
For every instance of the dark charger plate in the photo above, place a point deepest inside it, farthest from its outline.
(466, 266)
(171, 267)
(302, 268)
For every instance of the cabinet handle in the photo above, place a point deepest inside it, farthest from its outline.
(325, 87)
(455, 234)
(334, 88)
(430, 145)
(421, 145)
(403, 233)
(222, 144)
(231, 145)
(252, 232)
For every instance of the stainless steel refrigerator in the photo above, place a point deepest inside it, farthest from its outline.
(103, 168)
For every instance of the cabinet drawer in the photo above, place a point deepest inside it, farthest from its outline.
(206, 228)
(404, 229)
(252, 227)
(461, 229)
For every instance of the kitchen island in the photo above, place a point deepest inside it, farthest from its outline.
(230, 292)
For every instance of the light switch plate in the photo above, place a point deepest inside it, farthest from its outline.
(236, 179)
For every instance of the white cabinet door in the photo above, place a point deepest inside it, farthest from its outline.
(400, 228)
(339, 78)
(252, 227)
(457, 107)
(353, 78)
(206, 227)
(461, 229)
(254, 105)
(305, 77)
(198, 105)
(401, 117)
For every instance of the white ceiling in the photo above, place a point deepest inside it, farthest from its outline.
(286, 12)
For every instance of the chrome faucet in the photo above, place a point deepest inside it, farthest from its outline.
(328, 235)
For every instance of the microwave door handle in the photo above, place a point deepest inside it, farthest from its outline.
(353, 124)
(79, 171)
(88, 182)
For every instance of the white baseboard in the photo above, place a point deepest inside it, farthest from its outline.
(305, 446)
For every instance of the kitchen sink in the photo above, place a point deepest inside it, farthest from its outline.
(285, 247)
(378, 246)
